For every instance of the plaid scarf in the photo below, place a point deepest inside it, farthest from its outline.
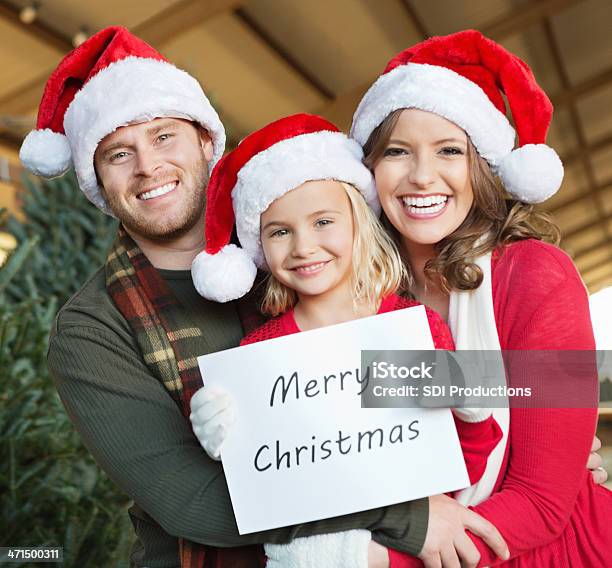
(169, 344)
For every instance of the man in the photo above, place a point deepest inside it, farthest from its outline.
(142, 137)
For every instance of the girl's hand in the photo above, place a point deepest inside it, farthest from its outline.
(212, 415)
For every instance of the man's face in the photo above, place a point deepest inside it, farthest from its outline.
(154, 176)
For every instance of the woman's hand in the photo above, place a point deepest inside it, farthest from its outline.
(594, 463)
(212, 415)
(447, 545)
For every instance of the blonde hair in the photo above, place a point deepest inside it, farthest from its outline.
(378, 269)
(494, 220)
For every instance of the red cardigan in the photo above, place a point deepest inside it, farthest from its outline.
(545, 503)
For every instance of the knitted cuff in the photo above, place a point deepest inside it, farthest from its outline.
(348, 549)
(472, 414)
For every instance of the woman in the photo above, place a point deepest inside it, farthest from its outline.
(434, 129)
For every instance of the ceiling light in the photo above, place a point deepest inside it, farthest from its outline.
(29, 13)
(79, 37)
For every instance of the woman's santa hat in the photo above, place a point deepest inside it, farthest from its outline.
(111, 80)
(266, 165)
(461, 77)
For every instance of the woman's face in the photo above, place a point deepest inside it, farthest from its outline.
(423, 177)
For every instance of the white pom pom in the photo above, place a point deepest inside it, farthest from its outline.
(46, 153)
(225, 276)
(531, 173)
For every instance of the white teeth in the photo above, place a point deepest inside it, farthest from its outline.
(426, 210)
(411, 201)
(158, 191)
(310, 268)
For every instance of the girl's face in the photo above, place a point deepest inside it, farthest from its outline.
(307, 238)
(423, 177)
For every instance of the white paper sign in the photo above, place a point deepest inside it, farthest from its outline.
(318, 454)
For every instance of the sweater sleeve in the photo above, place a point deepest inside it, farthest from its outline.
(548, 446)
(137, 434)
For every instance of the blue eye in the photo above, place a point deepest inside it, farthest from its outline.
(279, 233)
(118, 156)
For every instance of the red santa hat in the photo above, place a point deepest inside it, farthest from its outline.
(461, 77)
(267, 164)
(111, 80)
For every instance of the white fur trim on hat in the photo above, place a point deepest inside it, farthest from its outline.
(288, 164)
(46, 153)
(224, 276)
(441, 91)
(531, 173)
(134, 89)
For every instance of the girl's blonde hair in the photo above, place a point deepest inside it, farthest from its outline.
(378, 269)
(493, 220)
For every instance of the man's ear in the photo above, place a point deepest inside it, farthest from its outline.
(206, 142)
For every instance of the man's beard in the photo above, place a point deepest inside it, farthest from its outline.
(192, 210)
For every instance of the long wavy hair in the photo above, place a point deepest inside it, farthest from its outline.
(493, 221)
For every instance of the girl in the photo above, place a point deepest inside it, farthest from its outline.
(434, 131)
(303, 205)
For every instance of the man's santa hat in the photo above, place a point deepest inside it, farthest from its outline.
(266, 165)
(461, 77)
(111, 80)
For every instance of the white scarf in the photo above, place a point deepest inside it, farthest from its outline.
(472, 322)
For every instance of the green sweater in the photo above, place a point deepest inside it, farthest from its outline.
(138, 435)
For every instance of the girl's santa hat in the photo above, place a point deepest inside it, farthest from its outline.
(266, 165)
(461, 77)
(111, 80)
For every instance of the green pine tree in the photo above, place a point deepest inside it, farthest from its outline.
(51, 491)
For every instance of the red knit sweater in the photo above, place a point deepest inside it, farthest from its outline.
(478, 439)
(545, 503)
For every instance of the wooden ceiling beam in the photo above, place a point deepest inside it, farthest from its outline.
(582, 89)
(581, 253)
(181, 16)
(603, 221)
(506, 25)
(526, 15)
(282, 53)
(416, 19)
(599, 283)
(157, 30)
(589, 150)
(38, 30)
(579, 132)
(586, 195)
(592, 265)
(603, 278)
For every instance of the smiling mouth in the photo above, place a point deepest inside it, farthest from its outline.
(424, 206)
(158, 191)
(308, 269)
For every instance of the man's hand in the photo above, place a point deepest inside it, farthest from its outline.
(378, 555)
(447, 545)
(212, 415)
(595, 462)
